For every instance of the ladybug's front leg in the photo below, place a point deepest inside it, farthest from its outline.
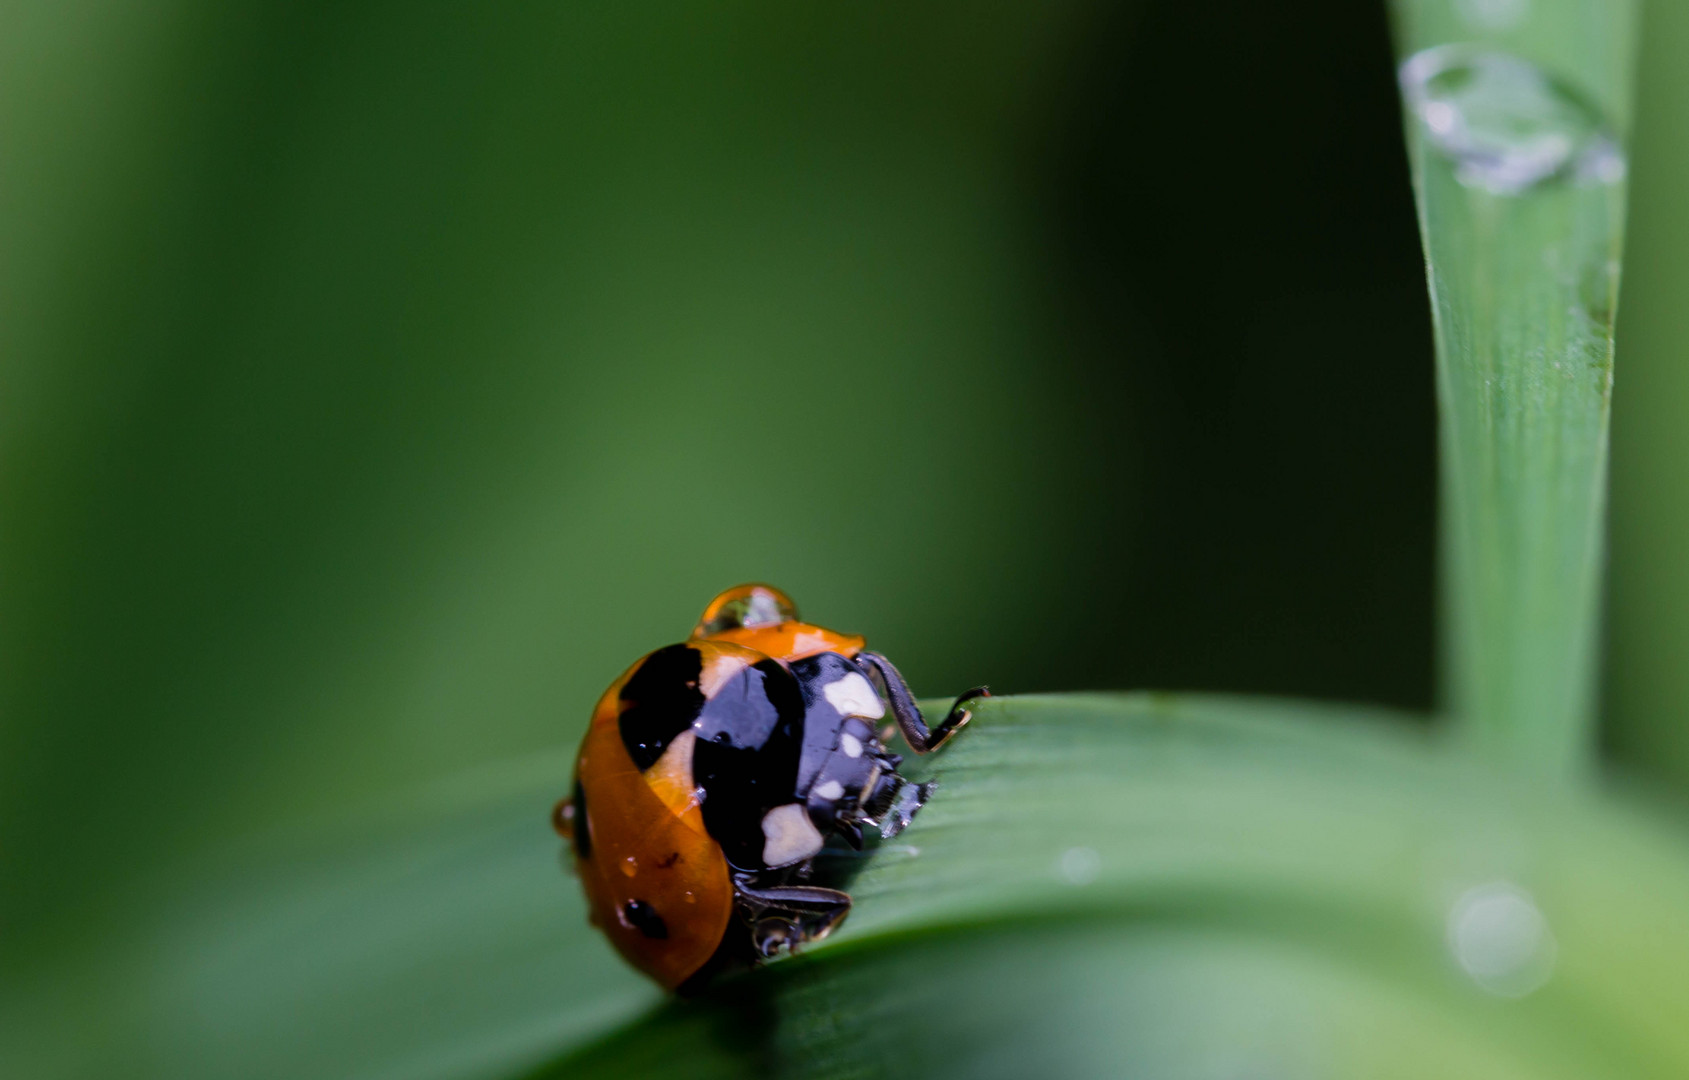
(786, 916)
(920, 738)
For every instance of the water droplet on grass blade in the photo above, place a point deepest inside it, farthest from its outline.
(1501, 939)
(1079, 865)
(1505, 123)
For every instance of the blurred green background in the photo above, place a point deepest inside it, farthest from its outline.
(377, 381)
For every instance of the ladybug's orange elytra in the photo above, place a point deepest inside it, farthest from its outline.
(714, 771)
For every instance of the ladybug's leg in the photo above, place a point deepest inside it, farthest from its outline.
(921, 739)
(786, 916)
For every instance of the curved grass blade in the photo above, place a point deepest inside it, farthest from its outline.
(1516, 121)
(1155, 885)
(438, 937)
(1099, 881)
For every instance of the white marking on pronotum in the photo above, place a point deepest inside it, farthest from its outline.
(832, 789)
(850, 744)
(852, 696)
(789, 836)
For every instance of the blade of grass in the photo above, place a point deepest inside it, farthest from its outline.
(1524, 285)
(435, 937)
(1154, 885)
(1095, 874)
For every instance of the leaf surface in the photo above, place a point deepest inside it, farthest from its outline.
(1163, 879)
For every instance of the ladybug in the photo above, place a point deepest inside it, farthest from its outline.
(715, 770)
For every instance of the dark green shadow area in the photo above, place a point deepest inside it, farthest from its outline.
(377, 381)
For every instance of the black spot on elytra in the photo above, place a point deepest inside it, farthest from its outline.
(659, 701)
(664, 864)
(644, 918)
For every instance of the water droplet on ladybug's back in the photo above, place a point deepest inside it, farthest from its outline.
(744, 607)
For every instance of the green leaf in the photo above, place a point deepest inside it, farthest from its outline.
(1523, 265)
(1182, 884)
(1175, 886)
(437, 937)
